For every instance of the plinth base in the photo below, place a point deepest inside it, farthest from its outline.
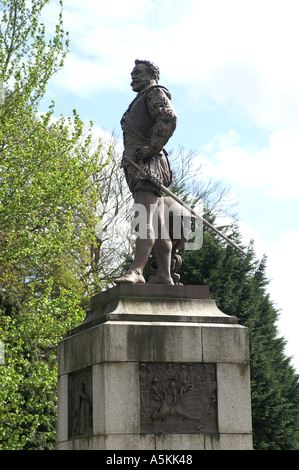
(131, 378)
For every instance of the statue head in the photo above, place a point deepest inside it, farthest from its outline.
(144, 73)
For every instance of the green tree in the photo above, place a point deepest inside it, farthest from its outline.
(49, 187)
(239, 285)
(48, 168)
(27, 58)
(28, 393)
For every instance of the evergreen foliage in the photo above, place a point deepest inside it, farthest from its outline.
(239, 285)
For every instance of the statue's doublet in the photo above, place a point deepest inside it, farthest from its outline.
(150, 120)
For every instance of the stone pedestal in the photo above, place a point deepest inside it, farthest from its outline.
(155, 367)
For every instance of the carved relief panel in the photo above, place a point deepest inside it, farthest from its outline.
(80, 403)
(178, 398)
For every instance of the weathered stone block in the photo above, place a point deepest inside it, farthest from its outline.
(226, 342)
(204, 403)
(234, 400)
(116, 403)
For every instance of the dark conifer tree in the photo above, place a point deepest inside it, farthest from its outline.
(239, 285)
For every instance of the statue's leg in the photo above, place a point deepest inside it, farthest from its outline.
(153, 234)
(162, 250)
(145, 242)
(145, 202)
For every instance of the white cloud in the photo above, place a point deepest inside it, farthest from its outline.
(105, 39)
(273, 168)
(248, 234)
(239, 54)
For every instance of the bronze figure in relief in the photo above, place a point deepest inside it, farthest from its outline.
(80, 403)
(178, 398)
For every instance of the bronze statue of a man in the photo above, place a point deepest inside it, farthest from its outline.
(147, 125)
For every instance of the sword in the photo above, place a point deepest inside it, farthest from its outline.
(163, 188)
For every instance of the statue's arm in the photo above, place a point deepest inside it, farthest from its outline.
(164, 117)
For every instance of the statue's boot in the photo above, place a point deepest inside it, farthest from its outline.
(131, 277)
(157, 279)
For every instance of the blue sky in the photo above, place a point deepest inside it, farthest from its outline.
(232, 69)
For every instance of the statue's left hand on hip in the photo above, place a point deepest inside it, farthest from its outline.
(144, 152)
